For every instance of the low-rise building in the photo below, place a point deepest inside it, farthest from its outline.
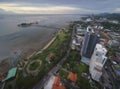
(73, 77)
(49, 57)
(114, 21)
(75, 42)
(57, 84)
(113, 43)
(89, 20)
(80, 31)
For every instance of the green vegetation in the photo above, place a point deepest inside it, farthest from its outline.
(82, 82)
(63, 73)
(107, 25)
(83, 24)
(62, 35)
(81, 68)
(58, 48)
(112, 16)
(34, 65)
(73, 64)
(111, 26)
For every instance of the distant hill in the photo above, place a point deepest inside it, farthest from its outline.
(112, 16)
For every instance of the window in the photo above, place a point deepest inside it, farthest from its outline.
(96, 54)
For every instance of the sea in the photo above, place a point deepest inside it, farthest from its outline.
(28, 39)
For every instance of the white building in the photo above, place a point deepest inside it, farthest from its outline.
(89, 20)
(97, 62)
(73, 44)
(49, 83)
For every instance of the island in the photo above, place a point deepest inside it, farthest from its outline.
(27, 24)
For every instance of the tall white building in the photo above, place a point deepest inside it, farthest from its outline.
(97, 62)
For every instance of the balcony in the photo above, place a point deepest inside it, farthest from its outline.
(98, 65)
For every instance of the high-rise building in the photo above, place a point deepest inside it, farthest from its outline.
(89, 43)
(97, 62)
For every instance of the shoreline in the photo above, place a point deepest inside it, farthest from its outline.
(25, 43)
(43, 48)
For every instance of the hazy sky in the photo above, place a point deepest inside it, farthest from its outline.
(59, 6)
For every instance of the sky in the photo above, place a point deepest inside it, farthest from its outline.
(59, 6)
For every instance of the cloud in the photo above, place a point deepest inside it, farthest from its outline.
(117, 10)
(43, 9)
(37, 8)
(91, 5)
(27, 9)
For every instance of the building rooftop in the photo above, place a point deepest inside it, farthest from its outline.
(101, 48)
(72, 77)
(56, 84)
(85, 60)
(113, 43)
(57, 81)
(50, 82)
(50, 55)
(11, 73)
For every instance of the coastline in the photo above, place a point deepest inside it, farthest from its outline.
(43, 48)
(26, 42)
(15, 38)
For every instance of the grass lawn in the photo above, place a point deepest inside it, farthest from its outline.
(62, 35)
(63, 74)
(82, 68)
(34, 65)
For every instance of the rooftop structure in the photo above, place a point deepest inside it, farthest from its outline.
(57, 84)
(89, 20)
(76, 42)
(97, 62)
(114, 35)
(11, 74)
(49, 57)
(85, 60)
(113, 43)
(80, 31)
(72, 77)
(49, 83)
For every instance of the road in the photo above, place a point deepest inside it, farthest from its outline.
(45, 79)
